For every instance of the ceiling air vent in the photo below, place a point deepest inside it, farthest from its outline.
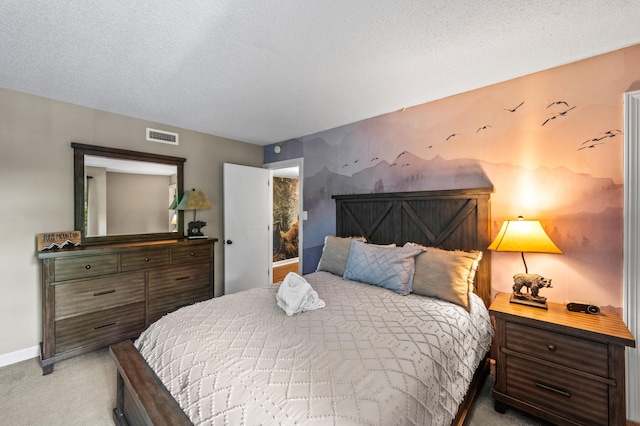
(162, 136)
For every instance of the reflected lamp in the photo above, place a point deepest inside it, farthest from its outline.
(525, 236)
(195, 200)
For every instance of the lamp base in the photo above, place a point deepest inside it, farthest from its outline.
(197, 237)
(526, 299)
(195, 229)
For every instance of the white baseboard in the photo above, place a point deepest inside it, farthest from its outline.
(21, 355)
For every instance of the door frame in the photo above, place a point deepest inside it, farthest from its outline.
(631, 251)
(302, 215)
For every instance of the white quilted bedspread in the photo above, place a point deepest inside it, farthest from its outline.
(370, 357)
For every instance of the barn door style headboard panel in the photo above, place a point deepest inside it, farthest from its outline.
(450, 219)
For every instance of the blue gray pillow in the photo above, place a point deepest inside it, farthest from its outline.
(388, 267)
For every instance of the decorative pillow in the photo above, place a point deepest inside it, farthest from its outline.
(446, 274)
(335, 253)
(388, 267)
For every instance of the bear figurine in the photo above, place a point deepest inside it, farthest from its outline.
(533, 283)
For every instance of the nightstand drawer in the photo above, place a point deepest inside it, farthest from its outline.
(75, 297)
(571, 396)
(146, 259)
(85, 267)
(574, 352)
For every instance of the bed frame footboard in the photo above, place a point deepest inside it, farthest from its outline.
(142, 399)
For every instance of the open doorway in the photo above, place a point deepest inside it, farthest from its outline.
(287, 216)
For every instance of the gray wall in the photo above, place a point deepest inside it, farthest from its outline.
(36, 190)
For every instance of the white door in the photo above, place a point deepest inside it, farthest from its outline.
(247, 227)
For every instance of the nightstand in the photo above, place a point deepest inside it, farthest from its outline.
(565, 367)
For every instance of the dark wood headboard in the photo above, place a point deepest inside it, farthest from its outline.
(448, 219)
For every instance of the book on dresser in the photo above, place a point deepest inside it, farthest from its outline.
(93, 296)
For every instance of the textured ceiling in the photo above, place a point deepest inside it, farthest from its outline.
(267, 71)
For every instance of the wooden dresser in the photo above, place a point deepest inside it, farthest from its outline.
(565, 367)
(97, 295)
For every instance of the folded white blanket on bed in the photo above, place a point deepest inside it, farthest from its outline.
(296, 295)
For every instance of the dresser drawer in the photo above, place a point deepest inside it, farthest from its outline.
(80, 296)
(171, 281)
(146, 259)
(191, 253)
(162, 306)
(102, 326)
(566, 394)
(172, 288)
(585, 355)
(85, 267)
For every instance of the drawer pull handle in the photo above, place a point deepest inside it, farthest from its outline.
(104, 325)
(551, 347)
(102, 293)
(192, 254)
(87, 267)
(146, 259)
(182, 278)
(552, 389)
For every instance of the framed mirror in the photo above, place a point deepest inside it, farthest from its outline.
(122, 195)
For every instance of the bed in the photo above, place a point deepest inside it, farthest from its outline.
(371, 356)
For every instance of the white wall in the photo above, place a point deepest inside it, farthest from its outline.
(36, 190)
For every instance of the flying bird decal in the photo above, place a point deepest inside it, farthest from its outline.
(485, 127)
(514, 109)
(558, 103)
(553, 117)
(593, 145)
(451, 136)
(559, 114)
(563, 113)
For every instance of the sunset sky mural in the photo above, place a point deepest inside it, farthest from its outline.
(550, 144)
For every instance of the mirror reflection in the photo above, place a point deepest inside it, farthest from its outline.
(128, 197)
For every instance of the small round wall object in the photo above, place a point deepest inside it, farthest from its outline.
(277, 149)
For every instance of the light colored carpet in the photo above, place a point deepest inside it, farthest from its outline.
(82, 391)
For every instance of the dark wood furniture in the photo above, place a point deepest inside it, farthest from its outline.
(448, 219)
(565, 367)
(97, 295)
(454, 219)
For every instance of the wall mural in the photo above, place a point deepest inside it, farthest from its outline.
(285, 218)
(550, 143)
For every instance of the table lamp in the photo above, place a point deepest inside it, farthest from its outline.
(195, 200)
(526, 236)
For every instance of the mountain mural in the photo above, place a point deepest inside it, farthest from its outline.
(550, 144)
(581, 213)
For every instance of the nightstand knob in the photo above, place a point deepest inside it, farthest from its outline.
(552, 348)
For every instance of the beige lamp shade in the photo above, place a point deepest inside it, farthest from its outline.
(194, 200)
(525, 236)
